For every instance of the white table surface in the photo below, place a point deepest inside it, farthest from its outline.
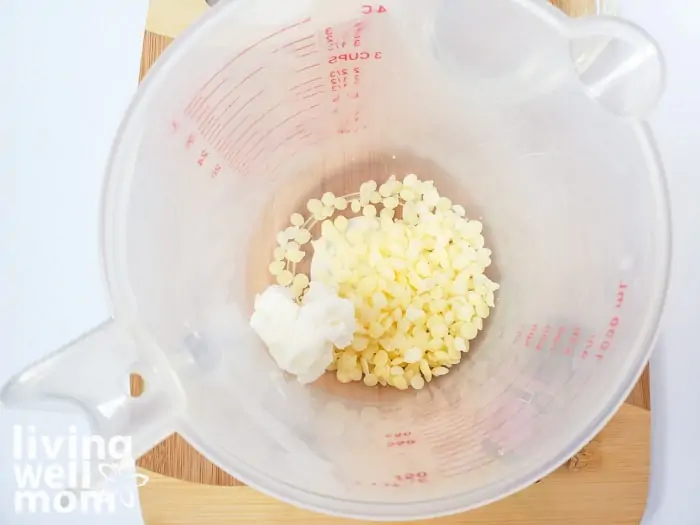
(68, 70)
(675, 465)
(59, 112)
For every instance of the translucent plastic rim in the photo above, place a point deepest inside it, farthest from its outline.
(113, 250)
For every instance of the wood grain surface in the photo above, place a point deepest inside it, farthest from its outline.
(176, 458)
(606, 484)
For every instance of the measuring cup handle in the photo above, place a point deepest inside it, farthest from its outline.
(675, 433)
(92, 374)
(626, 72)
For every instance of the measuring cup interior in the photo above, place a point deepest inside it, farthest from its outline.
(265, 104)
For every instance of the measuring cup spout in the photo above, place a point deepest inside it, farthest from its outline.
(91, 374)
(626, 73)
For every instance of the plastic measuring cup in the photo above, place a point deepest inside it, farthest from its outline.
(264, 103)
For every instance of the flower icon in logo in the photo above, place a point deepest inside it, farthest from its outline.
(118, 479)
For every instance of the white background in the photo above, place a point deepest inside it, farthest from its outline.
(68, 69)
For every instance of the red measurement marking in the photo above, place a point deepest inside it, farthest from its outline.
(557, 338)
(315, 79)
(543, 338)
(248, 77)
(304, 47)
(530, 335)
(202, 157)
(589, 345)
(297, 41)
(350, 57)
(314, 94)
(339, 83)
(227, 141)
(252, 46)
(282, 142)
(399, 439)
(190, 141)
(369, 9)
(343, 131)
(314, 142)
(215, 171)
(230, 142)
(412, 477)
(269, 157)
(270, 153)
(257, 120)
(208, 126)
(279, 145)
(234, 152)
(308, 67)
(346, 127)
(239, 150)
(211, 119)
(573, 340)
(518, 335)
(357, 40)
(401, 480)
(309, 54)
(250, 137)
(283, 122)
(217, 127)
(200, 109)
(194, 102)
(610, 333)
(330, 41)
(620, 295)
(245, 105)
(246, 155)
(252, 149)
(312, 88)
(300, 130)
(260, 152)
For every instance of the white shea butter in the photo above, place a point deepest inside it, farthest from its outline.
(301, 337)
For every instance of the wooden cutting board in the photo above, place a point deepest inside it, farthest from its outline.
(605, 483)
